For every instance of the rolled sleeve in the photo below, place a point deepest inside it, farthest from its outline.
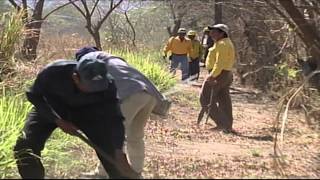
(167, 47)
(211, 58)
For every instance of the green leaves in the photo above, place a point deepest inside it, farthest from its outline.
(13, 111)
(286, 71)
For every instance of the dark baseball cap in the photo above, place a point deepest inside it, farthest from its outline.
(93, 74)
(85, 50)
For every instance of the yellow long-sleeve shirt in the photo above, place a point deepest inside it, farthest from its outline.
(221, 57)
(197, 49)
(176, 46)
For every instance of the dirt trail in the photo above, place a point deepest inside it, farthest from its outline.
(177, 148)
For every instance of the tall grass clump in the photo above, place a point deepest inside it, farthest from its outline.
(150, 64)
(13, 112)
(11, 30)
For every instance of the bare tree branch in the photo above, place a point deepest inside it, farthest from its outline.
(111, 4)
(15, 5)
(99, 24)
(37, 13)
(85, 14)
(172, 10)
(85, 6)
(99, 12)
(56, 9)
(19, 8)
(78, 8)
(93, 29)
(287, 19)
(132, 28)
(24, 4)
(312, 5)
(94, 7)
(311, 38)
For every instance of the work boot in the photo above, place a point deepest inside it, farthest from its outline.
(217, 128)
(94, 175)
(230, 131)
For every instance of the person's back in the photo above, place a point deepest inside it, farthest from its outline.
(60, 92)
(128, 79)
(138, 97)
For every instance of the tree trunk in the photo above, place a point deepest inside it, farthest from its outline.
(218, 11)
(177, 18)
(33, 29)
(30, 44)
(97, 40)
(175, 28)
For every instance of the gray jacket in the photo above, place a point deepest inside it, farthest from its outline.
(129, 80)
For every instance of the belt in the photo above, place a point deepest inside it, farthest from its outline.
(179, 54)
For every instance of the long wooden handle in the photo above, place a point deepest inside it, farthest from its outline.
(126, 172)
(80, 135)
(200, 116)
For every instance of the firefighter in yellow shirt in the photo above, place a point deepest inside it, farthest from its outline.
(179, 47)
(194, 56)
(215, 97)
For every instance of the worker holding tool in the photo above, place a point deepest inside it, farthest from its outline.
(74, 96)
(194, 56)
(179, 47)
(215, 97)
(138, 98)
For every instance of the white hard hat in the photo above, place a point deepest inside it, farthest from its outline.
(222, 27)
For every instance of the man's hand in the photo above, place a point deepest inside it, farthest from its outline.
(123, 165)
(164, 57)
(66, 126)
(211, 80)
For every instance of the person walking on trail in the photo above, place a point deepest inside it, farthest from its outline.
(194, 56)
(73, 96)
(138, 97)
(206, 42)
(179, 47)
(215, 97)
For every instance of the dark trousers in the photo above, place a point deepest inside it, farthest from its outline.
(36, 132)
(206, 52)
(194, 68)
(216, 99)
